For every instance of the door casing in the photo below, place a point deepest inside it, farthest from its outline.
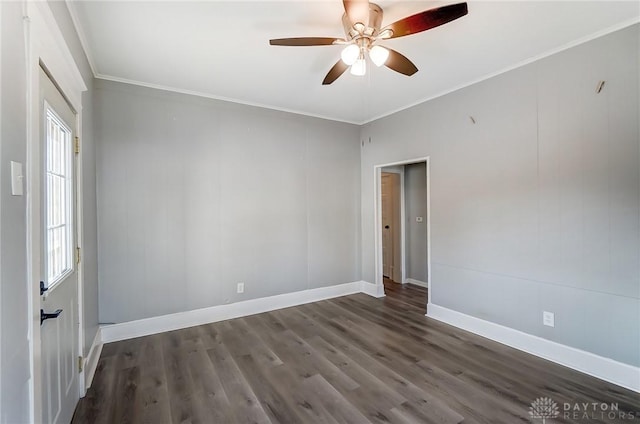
(47, 48)
(377, 212)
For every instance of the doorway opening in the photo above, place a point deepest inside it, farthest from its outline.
(403, 232)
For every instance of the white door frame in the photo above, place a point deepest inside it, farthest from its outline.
(403, 260)
(1, 162)
(45, 45)
(377, 211)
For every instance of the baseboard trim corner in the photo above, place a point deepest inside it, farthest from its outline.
(91, 361)
(417, 283)
(606, 369)
(371, 289)
(160, 324)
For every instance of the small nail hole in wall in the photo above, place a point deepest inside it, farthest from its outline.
(600, 87)
(473, 120)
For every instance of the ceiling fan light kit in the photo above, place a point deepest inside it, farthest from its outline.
(350, 54)
(362, 22)
(378, 55)
(359, 68)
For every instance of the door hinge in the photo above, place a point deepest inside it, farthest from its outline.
(76, 145)
(80, 363)
(77, 255)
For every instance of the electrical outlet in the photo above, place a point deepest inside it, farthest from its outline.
(240, 287)
(418, 219)
(548, 319)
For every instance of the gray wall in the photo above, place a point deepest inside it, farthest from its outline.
(535, 207)
(415, 199)
(14, 347)
(196, 195)
(14, 354)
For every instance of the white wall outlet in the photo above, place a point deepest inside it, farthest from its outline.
(418, 219)
(240, 287)
(548, 319)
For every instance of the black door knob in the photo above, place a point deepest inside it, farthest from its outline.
(386, 227)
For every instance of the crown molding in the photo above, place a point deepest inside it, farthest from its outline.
(97, 74)
(567, 46)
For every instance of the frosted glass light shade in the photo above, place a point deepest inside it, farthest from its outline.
(359, 68)
(378, 55)
(350, 54)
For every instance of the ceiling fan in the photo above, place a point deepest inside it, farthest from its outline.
(362, 22)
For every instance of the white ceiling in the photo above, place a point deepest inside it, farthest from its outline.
(220, 49)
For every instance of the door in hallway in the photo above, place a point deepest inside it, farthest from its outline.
(390, 203)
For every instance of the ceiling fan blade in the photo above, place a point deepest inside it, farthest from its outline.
(335, 72)
(400, 63)
(357, 11)
(426, 20)
(304, 41)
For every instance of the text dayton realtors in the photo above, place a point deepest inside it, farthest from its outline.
(597, 411)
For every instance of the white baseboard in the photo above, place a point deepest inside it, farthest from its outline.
(160, 324)
(372, 289)
(604, 368)
(417, 283)
(91, 361)
(615, 372)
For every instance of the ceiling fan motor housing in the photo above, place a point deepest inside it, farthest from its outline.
(371, 29)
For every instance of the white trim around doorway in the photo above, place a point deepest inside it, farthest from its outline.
(45, 46)
(377, 212)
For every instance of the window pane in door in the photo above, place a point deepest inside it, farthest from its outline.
(59, 198)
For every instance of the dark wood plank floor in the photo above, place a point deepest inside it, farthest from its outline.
(411, 294)
(353, 359)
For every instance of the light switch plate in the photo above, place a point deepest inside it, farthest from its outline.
(16, 179)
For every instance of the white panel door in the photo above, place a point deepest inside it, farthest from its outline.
(59, 335)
